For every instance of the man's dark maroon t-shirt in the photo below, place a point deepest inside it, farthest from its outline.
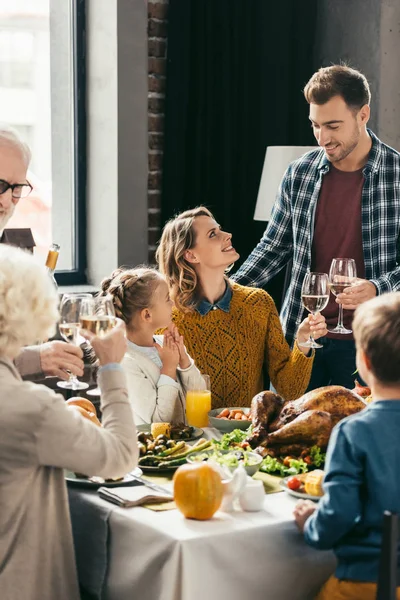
(337, 232)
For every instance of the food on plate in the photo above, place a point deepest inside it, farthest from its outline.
(290, 465)
(361, 390)
(275, 466)
(237, 438)
(83, 402)
(161, 429)
(236, 414)
(229, 459)
(181, 431)
(313, 483)
(307, 483)
(163, 453)
(293, 428)
(198, 491)
(88, 415)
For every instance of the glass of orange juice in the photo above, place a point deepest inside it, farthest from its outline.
(198, 404)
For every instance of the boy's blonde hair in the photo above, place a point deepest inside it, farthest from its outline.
(177, 237)
(131, 290)
(376, 328)
(28, 301)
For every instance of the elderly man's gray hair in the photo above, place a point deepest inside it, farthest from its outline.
(10, 137)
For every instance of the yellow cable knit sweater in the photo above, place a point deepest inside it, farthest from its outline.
(232, 348)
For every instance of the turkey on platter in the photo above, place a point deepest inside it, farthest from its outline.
(292, 428)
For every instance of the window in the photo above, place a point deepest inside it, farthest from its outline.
(42, 95)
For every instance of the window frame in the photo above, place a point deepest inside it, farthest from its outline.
(78, 275)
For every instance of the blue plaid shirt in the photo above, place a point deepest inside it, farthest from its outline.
(290, 232)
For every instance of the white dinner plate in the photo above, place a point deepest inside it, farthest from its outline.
(297, 494)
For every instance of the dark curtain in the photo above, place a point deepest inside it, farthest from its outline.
(235, 73)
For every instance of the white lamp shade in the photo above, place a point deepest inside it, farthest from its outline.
(277, 159)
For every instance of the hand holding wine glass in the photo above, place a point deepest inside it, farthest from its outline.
(342, 274)
(69, 326)
(110, 347)
(97, 316)
(315, 296)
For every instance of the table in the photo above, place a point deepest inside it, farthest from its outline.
(235, 556)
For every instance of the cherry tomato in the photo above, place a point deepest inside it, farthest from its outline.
(307, 459)
(293, 483)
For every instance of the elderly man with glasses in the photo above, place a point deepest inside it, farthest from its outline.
(52, 358)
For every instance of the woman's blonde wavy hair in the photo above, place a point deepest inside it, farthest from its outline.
(28, 302)
(131, 290)
(177, 237)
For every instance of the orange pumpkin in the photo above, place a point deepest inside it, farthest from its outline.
(198, 491)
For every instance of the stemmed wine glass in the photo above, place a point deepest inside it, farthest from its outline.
(342, 274)
(69, 326)
(315, 296)
(97, 315)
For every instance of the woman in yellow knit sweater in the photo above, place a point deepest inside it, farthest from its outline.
(231, 331)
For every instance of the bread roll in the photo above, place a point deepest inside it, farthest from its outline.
(88, 415)
(83, 402)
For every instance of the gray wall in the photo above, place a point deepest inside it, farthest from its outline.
(117, 135)
(366, 34)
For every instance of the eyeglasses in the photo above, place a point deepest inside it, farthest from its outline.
(18, 190)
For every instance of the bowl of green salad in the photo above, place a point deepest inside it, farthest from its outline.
(230, 458)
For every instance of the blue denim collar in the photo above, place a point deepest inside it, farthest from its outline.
(204, 307)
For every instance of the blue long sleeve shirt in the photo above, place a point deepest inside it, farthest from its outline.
(362, 480)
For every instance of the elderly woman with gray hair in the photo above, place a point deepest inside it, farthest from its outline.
(40, 435)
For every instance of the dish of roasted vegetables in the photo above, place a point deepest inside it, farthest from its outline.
(161, 453)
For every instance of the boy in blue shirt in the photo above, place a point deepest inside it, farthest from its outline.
(362, 470)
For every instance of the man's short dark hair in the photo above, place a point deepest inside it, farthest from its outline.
(338, 80)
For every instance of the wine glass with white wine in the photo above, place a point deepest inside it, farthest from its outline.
(315, 296)
(97, 315)
(342, 274)
(69, 326)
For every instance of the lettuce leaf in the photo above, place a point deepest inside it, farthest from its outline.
(237, 436)
(274, 466)
(317, 456)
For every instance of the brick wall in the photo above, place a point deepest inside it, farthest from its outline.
(157, 40)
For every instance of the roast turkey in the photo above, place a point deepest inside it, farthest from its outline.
(295, 426)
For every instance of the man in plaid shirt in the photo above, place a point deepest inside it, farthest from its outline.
(342, 199)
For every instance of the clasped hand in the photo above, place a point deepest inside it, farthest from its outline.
(173, 352)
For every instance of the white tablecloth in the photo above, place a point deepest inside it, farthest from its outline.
(236, 556)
